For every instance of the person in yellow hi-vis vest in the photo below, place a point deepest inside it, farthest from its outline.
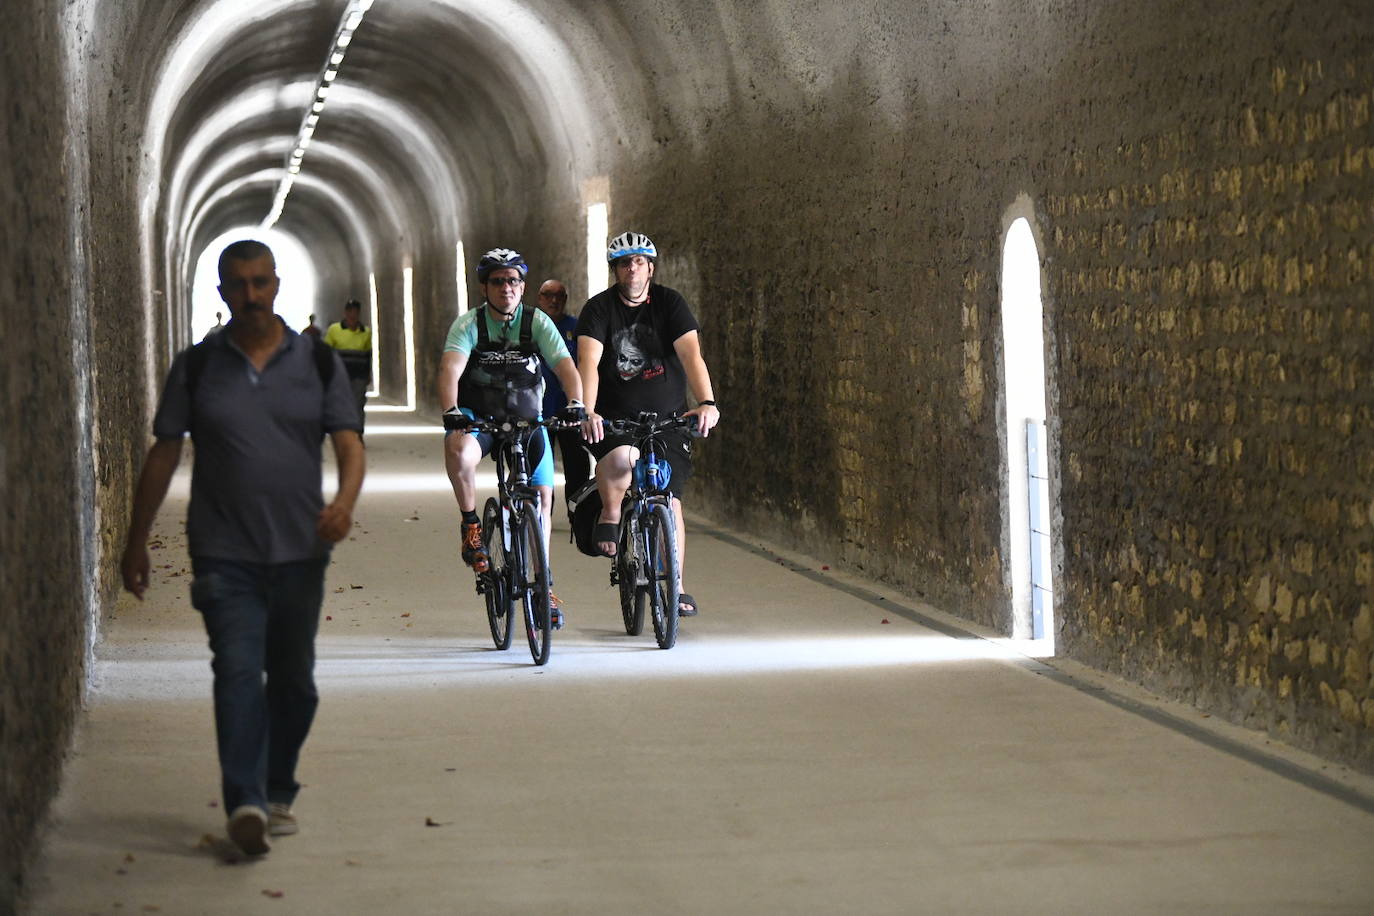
(353, 341)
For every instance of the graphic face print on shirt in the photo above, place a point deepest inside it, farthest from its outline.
(637, 353)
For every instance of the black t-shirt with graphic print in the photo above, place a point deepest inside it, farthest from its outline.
(639, 369)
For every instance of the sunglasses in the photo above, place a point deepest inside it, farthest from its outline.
(505, 281)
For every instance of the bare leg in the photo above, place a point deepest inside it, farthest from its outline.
(681, 529)
(612, 480)
(461, 455)
(546, 513)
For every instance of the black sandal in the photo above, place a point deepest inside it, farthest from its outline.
(684, 598)
(606, 531)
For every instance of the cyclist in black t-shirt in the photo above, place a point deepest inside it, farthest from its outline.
(637, 350)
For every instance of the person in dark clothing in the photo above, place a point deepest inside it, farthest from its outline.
(638, 350)
(257, 400)
(577, 465)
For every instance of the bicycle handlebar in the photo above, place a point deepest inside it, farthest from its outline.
(649, 423)
(518, 424)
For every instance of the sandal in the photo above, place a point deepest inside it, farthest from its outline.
(606, 532)
(691, 609)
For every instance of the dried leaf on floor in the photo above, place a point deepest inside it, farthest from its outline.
(431, 822)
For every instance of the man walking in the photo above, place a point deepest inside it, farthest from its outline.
(257, 401)
(353, 340)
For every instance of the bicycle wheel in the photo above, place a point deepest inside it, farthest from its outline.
(660, 568)
(531, 579)
(627, 573)
(494, 588)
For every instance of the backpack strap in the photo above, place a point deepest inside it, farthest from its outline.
(483, 337)
(196, 355)
(526, 329)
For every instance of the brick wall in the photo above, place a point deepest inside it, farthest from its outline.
(1201, 183)
(1213, 277)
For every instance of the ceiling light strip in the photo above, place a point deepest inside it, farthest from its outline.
(348, 24)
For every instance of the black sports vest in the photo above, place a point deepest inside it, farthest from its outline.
(503, 378)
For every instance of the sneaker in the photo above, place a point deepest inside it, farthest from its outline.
(248, 829)
(474, 551)
(555, 611)
(280, 820)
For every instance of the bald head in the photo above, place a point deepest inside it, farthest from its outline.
(553, 298)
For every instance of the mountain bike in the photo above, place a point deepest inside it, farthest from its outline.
(645, 566)
(513, 533)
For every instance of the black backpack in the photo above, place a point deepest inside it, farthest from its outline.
(197, 354)
(584, 508)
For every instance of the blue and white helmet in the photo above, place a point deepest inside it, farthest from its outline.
(630, 243)
(498, 258)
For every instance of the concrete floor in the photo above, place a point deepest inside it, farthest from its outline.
(812, 745)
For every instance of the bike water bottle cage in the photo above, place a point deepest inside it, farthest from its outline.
(652, 477)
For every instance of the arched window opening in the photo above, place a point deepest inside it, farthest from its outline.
(376, 389)
(598, 234)
(1029, 509)
(462, 279)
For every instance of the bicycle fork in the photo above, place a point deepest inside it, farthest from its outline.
(633, 563)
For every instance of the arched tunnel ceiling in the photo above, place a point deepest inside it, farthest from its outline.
(440, 107)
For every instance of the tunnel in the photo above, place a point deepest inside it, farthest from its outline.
(833, 187)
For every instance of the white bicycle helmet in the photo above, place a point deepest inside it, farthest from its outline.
(498, 258)
(630, 243)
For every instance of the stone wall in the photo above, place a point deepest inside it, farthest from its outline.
(43, 626)
(830, 191)
(1201, 187)
(1212, 270)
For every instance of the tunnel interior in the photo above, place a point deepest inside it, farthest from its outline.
(831, 190)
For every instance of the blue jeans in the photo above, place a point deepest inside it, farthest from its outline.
(261, 619)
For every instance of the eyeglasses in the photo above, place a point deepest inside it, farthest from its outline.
(505, 281)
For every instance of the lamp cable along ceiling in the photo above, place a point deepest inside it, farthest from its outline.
(348, 24)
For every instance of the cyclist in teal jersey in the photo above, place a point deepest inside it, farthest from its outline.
(490, 368)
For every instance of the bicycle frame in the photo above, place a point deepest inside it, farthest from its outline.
(646, 566)
(512, 518)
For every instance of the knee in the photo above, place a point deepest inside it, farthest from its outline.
(468, 454)
(617, 462)
(237, 665)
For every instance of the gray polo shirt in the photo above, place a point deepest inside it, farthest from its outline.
(256, 484)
